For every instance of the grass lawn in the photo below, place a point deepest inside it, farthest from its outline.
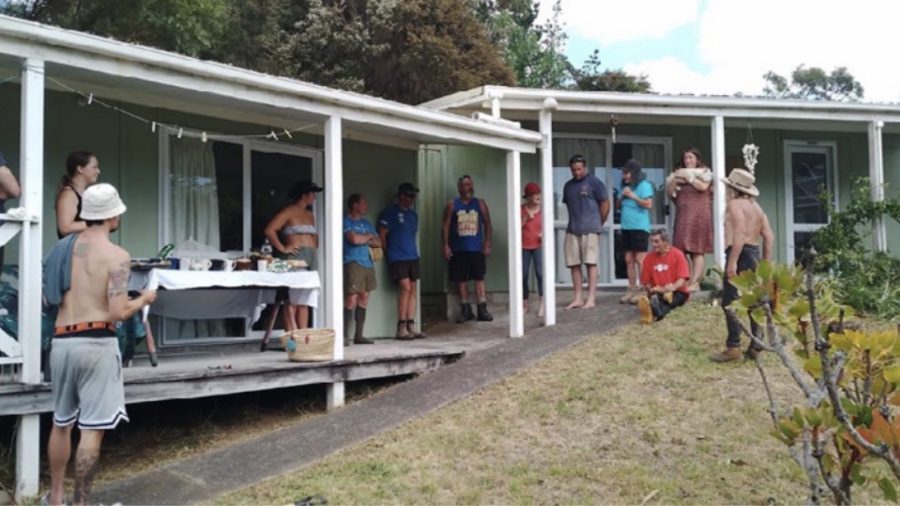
(636, 414)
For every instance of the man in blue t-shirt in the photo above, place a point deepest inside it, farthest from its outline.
(359, 270)
(398, 226)
(587, 201)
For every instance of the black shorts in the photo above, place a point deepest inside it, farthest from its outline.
(404, 269)
(635, 240)
(467, 266)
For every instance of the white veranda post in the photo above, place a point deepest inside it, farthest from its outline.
(514, 234)
(876, 179)
(32, 163)
(548, 232)
(333, 273)
(717, 126)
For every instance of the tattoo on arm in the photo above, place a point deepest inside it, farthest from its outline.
(118, 280)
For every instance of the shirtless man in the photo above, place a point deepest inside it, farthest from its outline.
(745, 223)
(84, 362)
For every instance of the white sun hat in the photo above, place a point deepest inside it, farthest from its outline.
(101, 202)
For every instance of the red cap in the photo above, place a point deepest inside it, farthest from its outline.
(532, 189)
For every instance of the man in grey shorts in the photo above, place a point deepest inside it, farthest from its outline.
(85, 365)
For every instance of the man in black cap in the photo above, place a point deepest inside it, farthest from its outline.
(398, 226)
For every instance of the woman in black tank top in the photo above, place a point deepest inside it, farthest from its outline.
(82, 170)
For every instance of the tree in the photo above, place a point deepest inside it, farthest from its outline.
(813, 83)
(591, 78)
(191, 27)
(430, 48)
(533, 52)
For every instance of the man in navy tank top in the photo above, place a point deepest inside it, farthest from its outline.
(467, 235)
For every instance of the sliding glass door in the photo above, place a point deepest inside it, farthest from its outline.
(604, 161)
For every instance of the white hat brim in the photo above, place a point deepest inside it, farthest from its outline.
(118, 210)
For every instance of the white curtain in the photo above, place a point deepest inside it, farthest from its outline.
(195, 201)
(194, 216)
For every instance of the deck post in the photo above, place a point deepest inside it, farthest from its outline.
(514, 234)
(876, 180)
(548, 234)
(32, 178)
(334, 242)
(717, 126)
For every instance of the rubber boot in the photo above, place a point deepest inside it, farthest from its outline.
(348, 317)
(483, 315)
(465, 313)
(360, 324)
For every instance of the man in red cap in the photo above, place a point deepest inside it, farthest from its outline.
(532, 226)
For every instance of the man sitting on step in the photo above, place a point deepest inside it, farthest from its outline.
(664, 275)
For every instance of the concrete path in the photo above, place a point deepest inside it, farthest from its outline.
(203, 477)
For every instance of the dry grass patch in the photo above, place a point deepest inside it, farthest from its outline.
(614, 419)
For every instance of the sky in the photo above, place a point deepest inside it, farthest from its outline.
(725, 46)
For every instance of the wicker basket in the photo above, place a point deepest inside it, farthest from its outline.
(309, 345)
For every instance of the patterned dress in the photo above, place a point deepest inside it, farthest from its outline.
(693, 220)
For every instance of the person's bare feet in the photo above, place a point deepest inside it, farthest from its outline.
(695, 287)
(589, 304)
(577, 303)
(525, 308)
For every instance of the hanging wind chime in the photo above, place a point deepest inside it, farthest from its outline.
(750, 151)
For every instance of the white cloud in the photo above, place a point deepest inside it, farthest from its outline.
(741, 44)
(740, 41)
(609, 21)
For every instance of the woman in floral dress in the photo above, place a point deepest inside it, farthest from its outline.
(690, 187)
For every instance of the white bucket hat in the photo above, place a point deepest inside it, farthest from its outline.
(101, 202)
(742, 181)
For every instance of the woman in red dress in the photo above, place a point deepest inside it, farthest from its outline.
(690, 187)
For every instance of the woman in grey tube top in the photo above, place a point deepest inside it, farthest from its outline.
(293, 235)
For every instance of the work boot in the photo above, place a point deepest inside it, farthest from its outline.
(402, 332)
(729, 355)
(643, 305)
(411, 328)
(483, 315)
(465, 313)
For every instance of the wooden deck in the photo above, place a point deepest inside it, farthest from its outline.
(211, 373)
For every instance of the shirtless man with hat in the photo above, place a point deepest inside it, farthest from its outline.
(745, 224)
(84, 362)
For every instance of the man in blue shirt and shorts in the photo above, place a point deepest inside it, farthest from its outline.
(398, 226)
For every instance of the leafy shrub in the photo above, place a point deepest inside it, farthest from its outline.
(845, 431)
(866, 280)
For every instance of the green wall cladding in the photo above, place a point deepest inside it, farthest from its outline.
(128, 153)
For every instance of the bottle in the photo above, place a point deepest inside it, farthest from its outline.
(266, 249)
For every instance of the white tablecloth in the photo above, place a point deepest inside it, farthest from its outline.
(219, 294)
